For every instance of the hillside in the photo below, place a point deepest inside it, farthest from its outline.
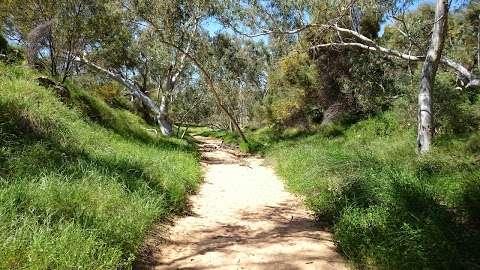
(77, 192)
(387, 206)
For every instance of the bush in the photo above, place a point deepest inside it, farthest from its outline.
(454, 111)
(331, 130)
(244, 147)
(473, 144)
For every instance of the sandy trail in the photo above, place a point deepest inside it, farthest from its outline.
(242, 218)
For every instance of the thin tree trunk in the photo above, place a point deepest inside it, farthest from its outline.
(430, 66)
(53, 64)
(184, 132)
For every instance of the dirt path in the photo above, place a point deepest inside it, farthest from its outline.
(242, 218)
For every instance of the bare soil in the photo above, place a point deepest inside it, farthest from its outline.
(242, 218)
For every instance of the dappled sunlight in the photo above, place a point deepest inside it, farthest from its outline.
(242, 218)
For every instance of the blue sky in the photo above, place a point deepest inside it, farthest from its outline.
(213, 26)
(455, 4)
(415, 5)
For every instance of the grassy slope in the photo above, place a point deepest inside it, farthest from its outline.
(389, 207)
(75, 193)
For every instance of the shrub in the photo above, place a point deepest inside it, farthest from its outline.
(473, 144)
(3, 45)
(331, 130)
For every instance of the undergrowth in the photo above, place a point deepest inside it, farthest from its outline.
(389, 207)
(81, 183)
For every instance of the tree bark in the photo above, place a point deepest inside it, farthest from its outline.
(430, 67)
(163, 119)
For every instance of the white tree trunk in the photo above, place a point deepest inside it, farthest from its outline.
(163, 119)
(430, 66)
(160, 112)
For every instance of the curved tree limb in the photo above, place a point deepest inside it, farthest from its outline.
(471, 79)
(211, 85)
(379, 49)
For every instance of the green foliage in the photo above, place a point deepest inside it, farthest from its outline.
(331, 130)
(473, 144)
(455, 111)
(228, 137)
(389, 207)
(11, 55)
(62, 29)
(328, 84)
(290, 83)
(244, 147)
(74, 194)
(3, 45)
(111, 92)
(120, 121)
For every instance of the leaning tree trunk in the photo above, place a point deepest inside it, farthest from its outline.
(430, 66)
(160, 113)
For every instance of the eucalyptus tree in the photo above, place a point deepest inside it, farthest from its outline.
(102, 35)
(430, 67)
(239, 67)
(174, 19)
(348, 36)
(165, 39)
(337, 70)
(147, 68)
(55, 31)
(160, 71)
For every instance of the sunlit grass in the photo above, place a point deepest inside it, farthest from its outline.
(76, 191)
(389, 207)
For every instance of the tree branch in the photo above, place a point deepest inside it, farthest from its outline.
(386, 51)
(264, 32)
(472, 79)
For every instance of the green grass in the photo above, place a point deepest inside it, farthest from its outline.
(80, 184)
(389, 208)
(259, 140)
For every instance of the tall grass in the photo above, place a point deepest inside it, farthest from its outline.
(389, 208)
(77, 191)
